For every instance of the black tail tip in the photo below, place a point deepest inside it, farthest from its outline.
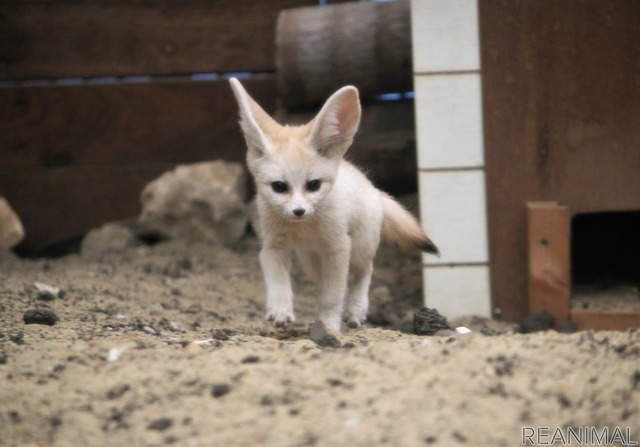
(428, 246)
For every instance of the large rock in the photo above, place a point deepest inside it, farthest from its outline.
(11, 229)
(202, 201)
(109, 238)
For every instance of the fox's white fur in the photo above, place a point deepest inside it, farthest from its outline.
(314, 203)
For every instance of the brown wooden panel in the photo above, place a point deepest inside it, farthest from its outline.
(124, 123)
(51, 38)
(603, 320)
(561, 96)
(56, 203)
(549, 246)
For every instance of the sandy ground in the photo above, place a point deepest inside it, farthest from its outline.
(165, 345)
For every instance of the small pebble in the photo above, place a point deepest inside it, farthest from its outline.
(114, 354)
(251, 359)
(40, 315)
(220, 335)
(118, 391)
(149, 330)
(539, 321)
(160, 424)
(220, 389)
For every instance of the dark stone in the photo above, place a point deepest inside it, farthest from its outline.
(220, 335)
(429, 321)
(251, 359)
(40, 315)
(160, 424)
(220, 389)
(118, 391)
(45, 295)
(539, 321)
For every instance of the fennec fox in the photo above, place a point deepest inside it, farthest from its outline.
(314, 203)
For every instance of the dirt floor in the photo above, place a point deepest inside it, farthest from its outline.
(165, 345)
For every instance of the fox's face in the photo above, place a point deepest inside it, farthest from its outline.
(294, 179)
(295, 167)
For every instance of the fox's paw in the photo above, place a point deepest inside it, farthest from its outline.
(354, 319)
(280, 317)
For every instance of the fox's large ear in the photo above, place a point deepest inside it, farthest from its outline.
(333, 129)
(255, 122)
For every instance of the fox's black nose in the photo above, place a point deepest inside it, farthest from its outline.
(299, 212)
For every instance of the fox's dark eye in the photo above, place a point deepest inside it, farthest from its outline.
(313, 185)
(279, 187)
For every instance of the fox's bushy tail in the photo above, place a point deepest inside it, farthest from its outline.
(401, 227)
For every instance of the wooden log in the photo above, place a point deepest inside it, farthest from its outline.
(384, 147)
(605, 319)
(51, 39)
(549, 262)
(320, 49)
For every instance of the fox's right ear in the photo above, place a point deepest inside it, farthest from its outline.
(255, 122)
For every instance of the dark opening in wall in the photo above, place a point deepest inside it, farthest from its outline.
(605, 255)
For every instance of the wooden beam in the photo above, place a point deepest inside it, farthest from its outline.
(52, 39)
(549, 259)
(609, 319)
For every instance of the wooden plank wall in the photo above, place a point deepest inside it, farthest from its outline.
(76, 154)
(561, 99)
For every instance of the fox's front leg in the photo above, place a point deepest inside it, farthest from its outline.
(335, 273)
(357, 302)
(276, 268)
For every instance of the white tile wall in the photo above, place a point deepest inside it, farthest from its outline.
(458, 291)
(447, 79)
(449, 121)
(454, 215)
(445, 34)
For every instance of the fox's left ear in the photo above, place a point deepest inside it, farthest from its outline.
(333, 129)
